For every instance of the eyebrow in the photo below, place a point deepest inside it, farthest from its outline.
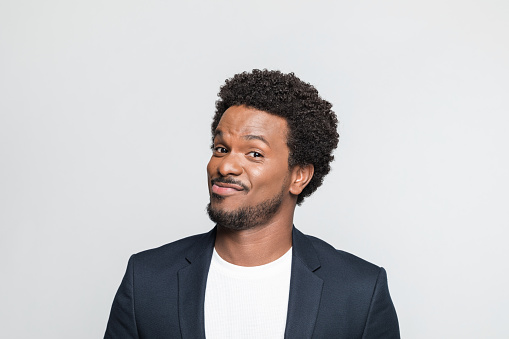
(256, 137)
(219, 133)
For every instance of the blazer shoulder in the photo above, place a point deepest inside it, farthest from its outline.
(358, 286)
(338, 260)
(174, 253)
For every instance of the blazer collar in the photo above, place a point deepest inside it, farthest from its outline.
(192, 282)
(305, 287)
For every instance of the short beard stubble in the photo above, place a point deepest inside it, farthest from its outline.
(246, 217)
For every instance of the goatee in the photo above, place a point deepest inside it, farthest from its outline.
(245, 218)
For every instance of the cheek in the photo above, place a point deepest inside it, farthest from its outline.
(269, 179)
(210, 166)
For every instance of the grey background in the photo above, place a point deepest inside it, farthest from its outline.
(104, 135)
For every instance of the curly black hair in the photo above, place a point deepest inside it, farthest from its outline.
(312, 124)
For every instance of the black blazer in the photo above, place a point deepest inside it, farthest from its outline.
(333, 294)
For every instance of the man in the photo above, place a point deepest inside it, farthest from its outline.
(255, 275)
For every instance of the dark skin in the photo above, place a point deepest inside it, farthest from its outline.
(250, 147)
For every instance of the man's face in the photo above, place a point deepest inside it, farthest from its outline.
(248, 172)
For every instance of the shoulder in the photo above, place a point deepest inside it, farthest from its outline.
(335, 262)
(354, 292)
(347, 279)
(174, 254)
(326, 251)
(175, 247)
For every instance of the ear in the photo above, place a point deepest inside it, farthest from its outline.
(301, 176)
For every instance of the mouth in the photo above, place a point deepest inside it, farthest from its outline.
(225, 187)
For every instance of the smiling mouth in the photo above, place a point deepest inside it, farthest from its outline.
(225, 187)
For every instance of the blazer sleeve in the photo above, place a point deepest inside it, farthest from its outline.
(382, 321)
(122, 321)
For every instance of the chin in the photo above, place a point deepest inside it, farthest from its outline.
(241, 217)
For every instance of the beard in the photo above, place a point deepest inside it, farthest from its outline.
(245, 218)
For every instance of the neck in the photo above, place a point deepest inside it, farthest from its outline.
(257, 246)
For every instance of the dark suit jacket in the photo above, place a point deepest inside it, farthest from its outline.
(333, 294)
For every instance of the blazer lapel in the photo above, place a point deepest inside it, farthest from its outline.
(192, 282)
(305, 289)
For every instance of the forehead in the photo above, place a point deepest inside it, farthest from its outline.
(242, 120)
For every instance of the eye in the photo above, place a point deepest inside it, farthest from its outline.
(255, 154)
(220, 149)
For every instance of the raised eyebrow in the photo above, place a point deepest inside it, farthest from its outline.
(256, 137)
(218, 133)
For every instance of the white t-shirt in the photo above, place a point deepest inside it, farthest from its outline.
(247, 302)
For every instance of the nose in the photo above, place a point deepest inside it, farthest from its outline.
(230, 164)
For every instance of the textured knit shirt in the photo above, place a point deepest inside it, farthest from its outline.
(247, 302)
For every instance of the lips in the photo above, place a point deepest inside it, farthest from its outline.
(226, 187)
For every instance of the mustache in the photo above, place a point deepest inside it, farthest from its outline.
(229, 180)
